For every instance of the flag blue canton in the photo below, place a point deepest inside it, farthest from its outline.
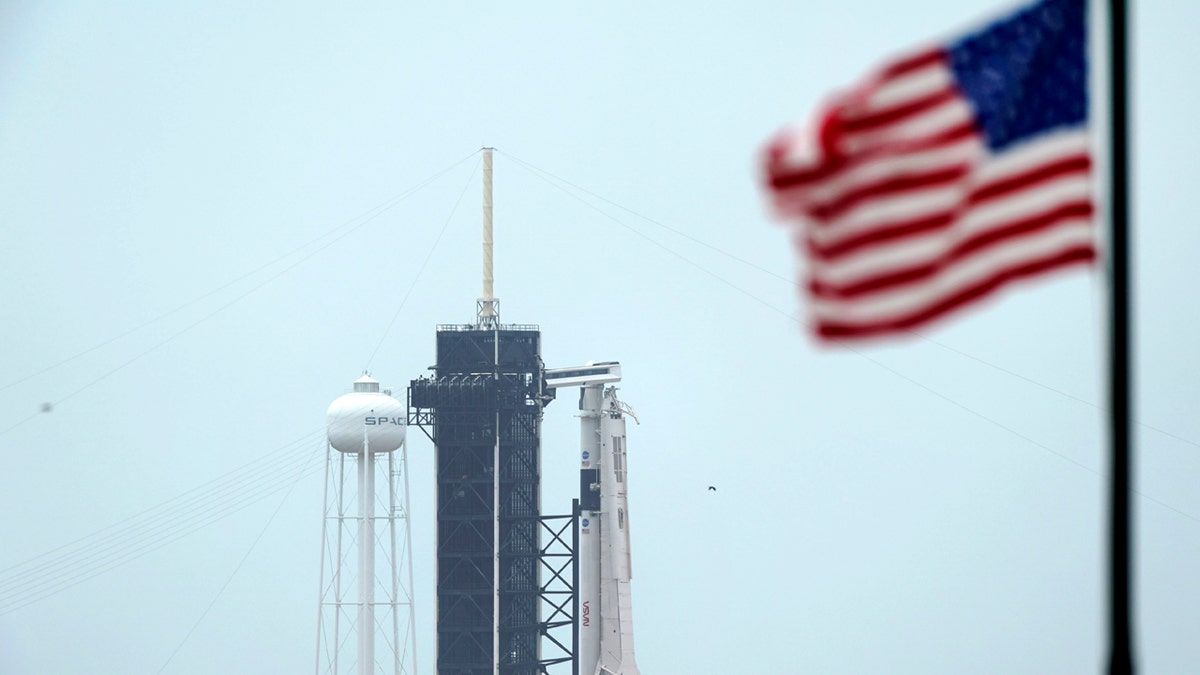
(1027, 73)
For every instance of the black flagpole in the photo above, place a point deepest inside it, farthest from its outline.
(1120, 606)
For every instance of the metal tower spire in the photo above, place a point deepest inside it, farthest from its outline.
(487, 308)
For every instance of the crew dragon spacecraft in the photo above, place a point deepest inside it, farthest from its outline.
(605, 608)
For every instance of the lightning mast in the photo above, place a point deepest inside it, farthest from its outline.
(487, 308)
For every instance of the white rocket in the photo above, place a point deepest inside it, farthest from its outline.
(605, 616)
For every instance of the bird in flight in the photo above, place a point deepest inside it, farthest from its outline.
(712, 488)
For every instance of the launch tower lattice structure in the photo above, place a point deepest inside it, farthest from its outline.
(482, 409)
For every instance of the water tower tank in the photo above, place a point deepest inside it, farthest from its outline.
(365, 413)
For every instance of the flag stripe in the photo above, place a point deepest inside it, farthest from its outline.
(915, 62)
(895, 304)
(881, 234)
(915, 248)
(916, 127)
(964, 150)
(782, 176)
(1032, 177)
(935, 76)
(966, 295)
(901, 112)
(1028, 166)
(934, 210)
(909, 182)
(921, 272)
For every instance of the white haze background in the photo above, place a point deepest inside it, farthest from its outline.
(917, 507)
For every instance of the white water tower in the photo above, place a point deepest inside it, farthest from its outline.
(364, 520)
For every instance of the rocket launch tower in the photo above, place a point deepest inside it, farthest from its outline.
(482, 408)
(512, 582)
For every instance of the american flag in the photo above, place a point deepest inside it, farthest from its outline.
(944, 176)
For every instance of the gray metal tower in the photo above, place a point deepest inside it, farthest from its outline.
(504, 571)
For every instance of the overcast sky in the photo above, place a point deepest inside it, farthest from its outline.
(212, 212)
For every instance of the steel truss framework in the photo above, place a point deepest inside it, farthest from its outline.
(558, 599)
(393, 613)
(485, 401)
